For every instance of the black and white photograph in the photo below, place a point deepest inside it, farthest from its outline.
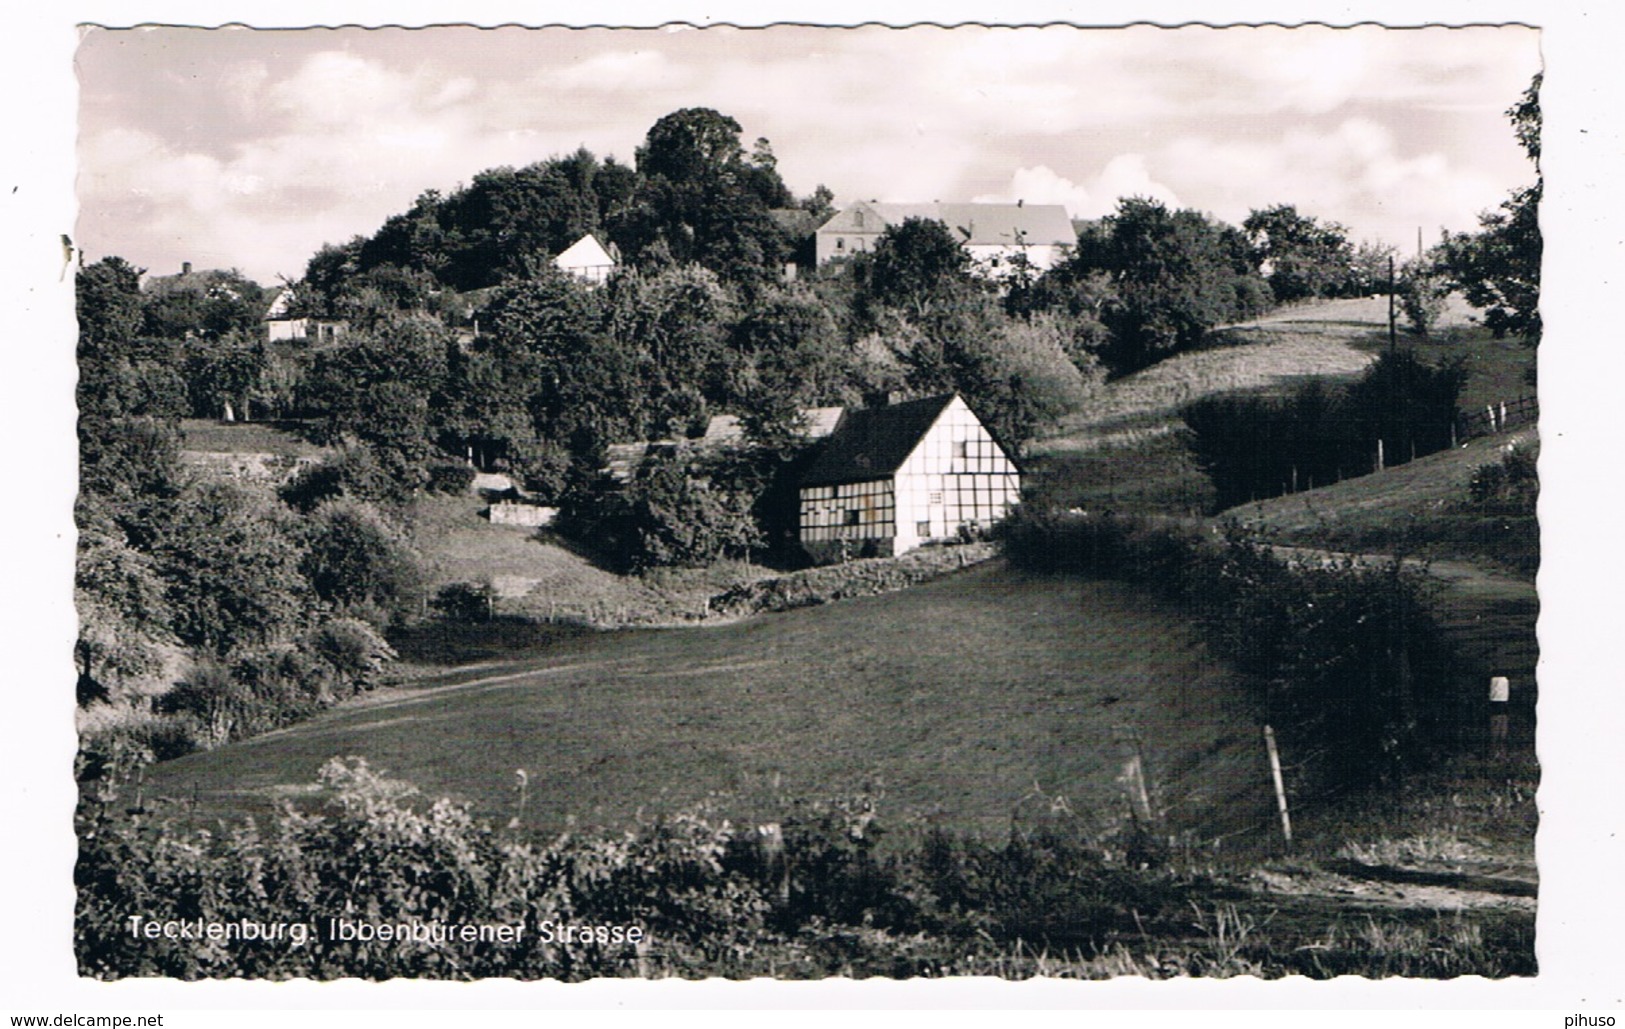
(802, 501)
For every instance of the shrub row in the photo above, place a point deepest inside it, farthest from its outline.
(815, 894)
(1254, 447)
(255, 690)
(863, 578)
(812, 894)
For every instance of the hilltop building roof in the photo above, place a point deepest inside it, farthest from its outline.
(971, 224)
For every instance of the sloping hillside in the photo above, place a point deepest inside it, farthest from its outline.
(1336, 338)
(1385, 510)
(955, 700)
(538, 575)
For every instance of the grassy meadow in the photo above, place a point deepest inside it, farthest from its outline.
(954, 700)
(1124, 451)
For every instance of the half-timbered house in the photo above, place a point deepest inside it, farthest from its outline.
(892, 478)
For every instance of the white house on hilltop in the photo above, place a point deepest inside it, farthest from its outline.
(891, 478)
(992, 233)
(588, 260)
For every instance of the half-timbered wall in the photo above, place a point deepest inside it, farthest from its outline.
(854, 511)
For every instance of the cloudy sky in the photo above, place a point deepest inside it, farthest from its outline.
(250, 149)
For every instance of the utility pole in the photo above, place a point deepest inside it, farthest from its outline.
(1393, 335)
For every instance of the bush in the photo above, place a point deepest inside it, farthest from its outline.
(264, 688)
(810, 894)
(450, 477)
(1512, 483)
(1421, 297)
(465, 601)
(359, 563)
(162, 736)
(354, 651)
(353, 471)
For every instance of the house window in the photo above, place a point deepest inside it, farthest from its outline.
(922, 529)
(960, 448)
(857, 219)
(852, 516)
(840, 243)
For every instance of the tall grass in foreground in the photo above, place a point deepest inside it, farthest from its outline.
(808, 896)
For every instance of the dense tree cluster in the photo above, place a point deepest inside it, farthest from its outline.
(1146, 282)
(208, 609)
(1497, 268)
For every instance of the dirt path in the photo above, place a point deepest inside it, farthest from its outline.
(1504, 885)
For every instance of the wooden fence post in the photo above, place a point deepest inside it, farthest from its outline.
(1500, 695)
(1280, 786)
(1134, 777)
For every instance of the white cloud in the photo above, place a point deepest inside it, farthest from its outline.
(323, 143)
(622, 71)
(1125, 175)
(1355, 174)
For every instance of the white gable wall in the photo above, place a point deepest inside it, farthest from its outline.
(955, 476)
(586, 259)
(993, 260)
(283, 329)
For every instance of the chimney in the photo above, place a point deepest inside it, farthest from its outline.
(1020, 201)
(186, 267)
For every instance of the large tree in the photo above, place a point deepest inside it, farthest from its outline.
(1497, 268)
(376, 387)
(1175, 275)
(917, 268)
(1300, 256)
(702, 199)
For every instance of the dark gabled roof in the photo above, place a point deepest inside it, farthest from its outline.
(872, 443)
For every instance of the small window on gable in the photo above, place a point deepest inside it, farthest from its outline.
(961, 448)
(857, 219)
